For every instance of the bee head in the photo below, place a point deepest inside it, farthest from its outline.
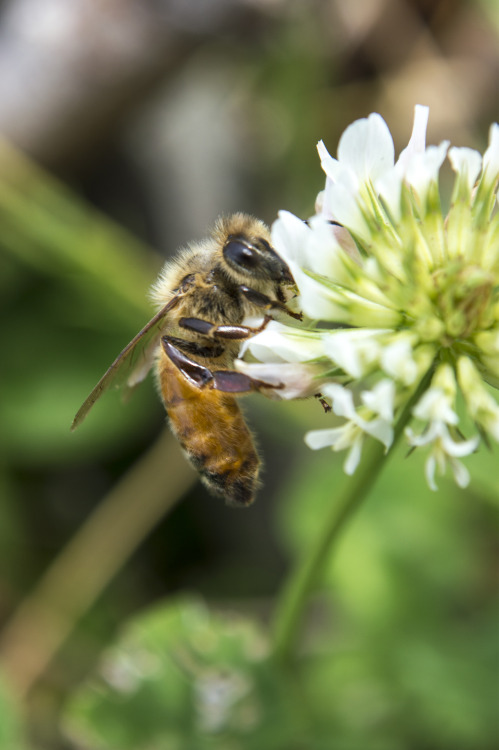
(254, 258)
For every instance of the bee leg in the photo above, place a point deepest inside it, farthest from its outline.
(232, 381)
(227, 381)
(195, 373)
(261, 300)
(235, 333)
(212, 350)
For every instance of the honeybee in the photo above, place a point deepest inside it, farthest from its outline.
(203, 296)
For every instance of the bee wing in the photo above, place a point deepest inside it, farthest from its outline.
(132, 365)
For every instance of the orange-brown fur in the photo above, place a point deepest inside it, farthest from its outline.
(211, 429)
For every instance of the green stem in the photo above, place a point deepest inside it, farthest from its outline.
(291, 605)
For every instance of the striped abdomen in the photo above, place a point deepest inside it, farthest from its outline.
(211, 429)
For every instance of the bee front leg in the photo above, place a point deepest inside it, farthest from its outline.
(227, 381)
(267, 303)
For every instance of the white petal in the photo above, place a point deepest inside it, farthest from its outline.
(417, 140)
(323, 252)
(435, 405)
(329, 164)
(342, 204)
(459, 448)
(491, 156)
(379, 429)
(353, 458)
(429, 435)
(380, 399)
(430, 467)
(389, 186)
(346, 242)
(461, 473)
(280, 343)
(466, 162)
(336, 303)
(423, 169)
(293, 380)
(355, 350)
(397, 361)
(316, 301)
(342, 399)
(367, 148)
(317, 246)
(319, 205)
(289, 237)
(317, 439)
(365, 152)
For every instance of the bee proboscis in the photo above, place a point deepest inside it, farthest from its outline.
(203, 295)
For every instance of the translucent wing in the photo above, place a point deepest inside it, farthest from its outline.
(133, 364)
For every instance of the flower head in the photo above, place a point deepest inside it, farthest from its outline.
(410, 293)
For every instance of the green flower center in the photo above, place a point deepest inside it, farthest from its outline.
(461, 297)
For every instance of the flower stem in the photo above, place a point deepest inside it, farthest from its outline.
(291, 604)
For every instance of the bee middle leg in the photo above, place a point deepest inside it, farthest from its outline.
(222, 332)
(227, 381)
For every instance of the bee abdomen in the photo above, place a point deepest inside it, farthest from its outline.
(236, 483)
(211, 429)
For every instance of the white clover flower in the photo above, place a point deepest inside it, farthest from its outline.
(411, 296)
(436, 409)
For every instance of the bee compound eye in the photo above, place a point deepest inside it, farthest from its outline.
(238, 253)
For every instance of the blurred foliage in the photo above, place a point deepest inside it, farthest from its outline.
(89, 278)
(11, 735)
(401, 651)
(400, 645)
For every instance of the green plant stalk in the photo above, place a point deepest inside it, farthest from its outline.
(291, 604)
(76, 578)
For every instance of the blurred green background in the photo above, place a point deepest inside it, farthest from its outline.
(134, 606)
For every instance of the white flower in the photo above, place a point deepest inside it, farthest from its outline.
(352, 433)
(286, 381)
(436, 409)
(491, 156)
(280, 343)
(339, 438)
(422, 169)
(467, 163)
(356, 351)
(483, 409)
(410, 296)
(381, 400)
